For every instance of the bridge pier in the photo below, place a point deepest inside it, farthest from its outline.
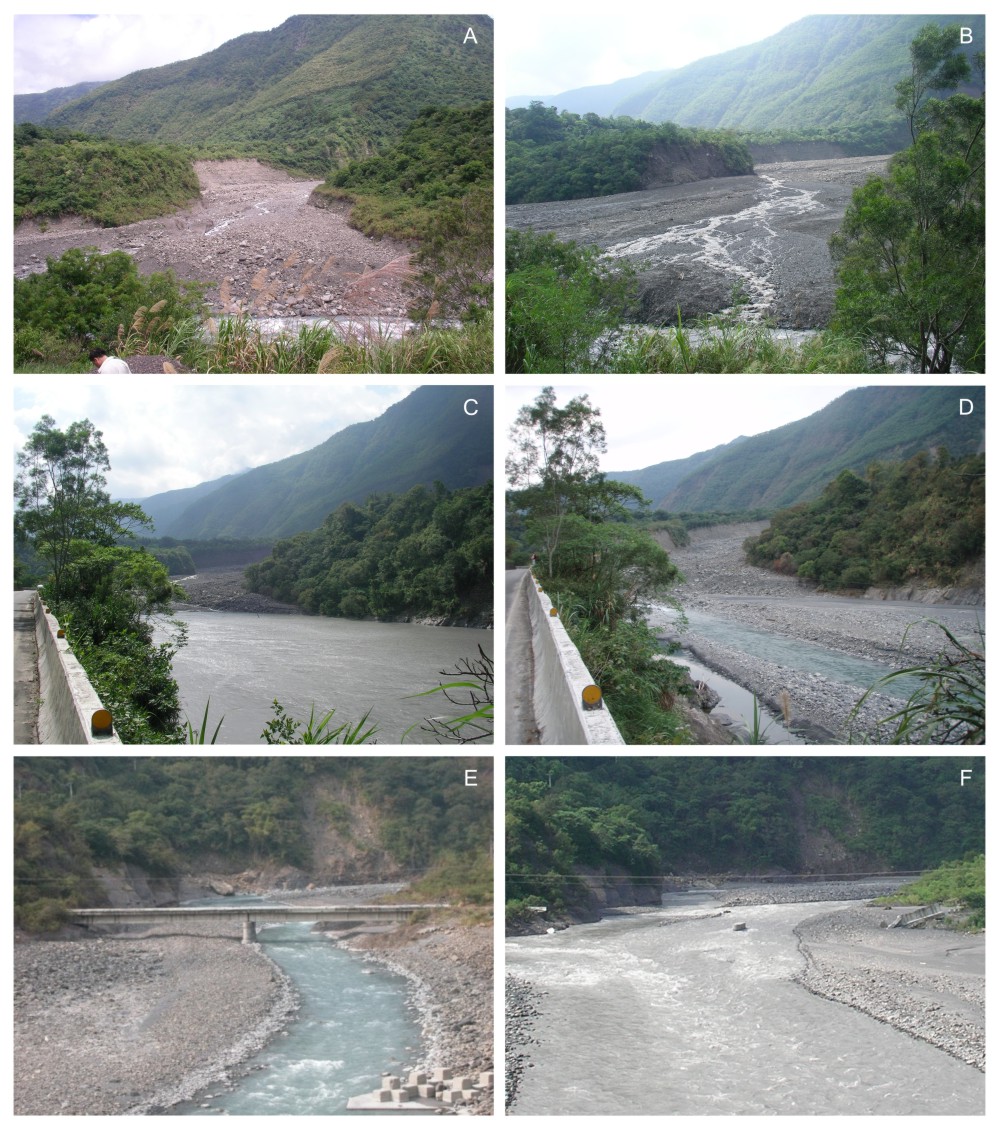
(249, 931)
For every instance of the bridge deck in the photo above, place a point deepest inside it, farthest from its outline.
(258, 913)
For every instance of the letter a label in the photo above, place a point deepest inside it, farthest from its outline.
(470, 35)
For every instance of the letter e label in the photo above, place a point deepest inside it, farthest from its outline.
(470, 778)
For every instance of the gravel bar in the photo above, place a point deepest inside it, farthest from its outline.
(135, 1024)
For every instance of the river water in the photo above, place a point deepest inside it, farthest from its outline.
(353, 1025)
(699, 1019)
(241, 662)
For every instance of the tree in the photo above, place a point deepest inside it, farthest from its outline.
(910, 256)
(560, 298)
(555, 468)
(61, 496)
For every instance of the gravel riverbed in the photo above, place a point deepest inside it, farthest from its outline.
(894, 634)
(927, 982)
(134, 1024)
(450, 967)
(766, 234)
(256, 240)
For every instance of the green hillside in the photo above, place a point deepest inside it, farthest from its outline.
(419, 553)
(602, 99)
(426, 437)
(922, 519)
(335, 819)
(310, 95)
(822, 71)
(647, 817)
(659, 480)
(37, 107)
(794, 463)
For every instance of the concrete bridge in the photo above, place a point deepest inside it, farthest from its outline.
(251, 914)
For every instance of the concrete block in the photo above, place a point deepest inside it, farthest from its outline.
(383, 1095)
(440, 1075)
(462, 1084)
(486, 1080)
(417, 1078)
(452, 1099)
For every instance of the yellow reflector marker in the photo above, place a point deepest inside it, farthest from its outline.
(100, 723)
(592, 697)
(553, 612)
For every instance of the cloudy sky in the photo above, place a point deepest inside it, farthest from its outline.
(652, 420)
(61, 50)
(173, 435)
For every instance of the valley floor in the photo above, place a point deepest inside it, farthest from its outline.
(692, 244)
(256, 240)
(722, 585)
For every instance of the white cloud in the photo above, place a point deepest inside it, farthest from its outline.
(174, 435)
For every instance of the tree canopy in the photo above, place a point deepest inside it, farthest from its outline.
(910, 256)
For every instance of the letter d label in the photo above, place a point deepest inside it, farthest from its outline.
(966, 407)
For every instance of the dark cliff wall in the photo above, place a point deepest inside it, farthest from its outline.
(671, 163)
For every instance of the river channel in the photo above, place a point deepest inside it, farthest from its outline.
(238, 663)
(353, 1025)
(699, 1019)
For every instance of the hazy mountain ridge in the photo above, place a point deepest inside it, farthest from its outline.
(792, 463)
(424, 438)
(37, 107)
(820, 72)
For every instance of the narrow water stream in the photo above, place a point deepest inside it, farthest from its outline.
(354, 1024)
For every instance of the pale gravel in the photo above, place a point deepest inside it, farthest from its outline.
(895, 634)
(253, 236)
(129, 1025)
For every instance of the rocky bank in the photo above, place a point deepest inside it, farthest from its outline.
(894, 634)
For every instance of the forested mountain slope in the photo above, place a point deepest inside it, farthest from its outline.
(329, 820)
(37, 107)
(713, 815)
(424, 438)
(795, 462)
(310, 95)
(820, 71)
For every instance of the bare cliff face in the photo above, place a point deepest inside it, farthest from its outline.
(683, 164)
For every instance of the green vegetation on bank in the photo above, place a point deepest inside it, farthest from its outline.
(670, 815)
(954, 882)
(86, 297)
(104, 595)
(553, 156)
(422, 553)
(922, 520)
(167, 815)
(57, 173)
(434, 185)
(442, 155)
(598, 568)
(910, 256)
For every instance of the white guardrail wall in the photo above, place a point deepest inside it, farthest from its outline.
(71, 711)
(560, 677)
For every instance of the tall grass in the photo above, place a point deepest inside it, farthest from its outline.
(237, 345)
(725, 344)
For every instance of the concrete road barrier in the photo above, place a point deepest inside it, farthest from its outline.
(71, 712)
(560, 676)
